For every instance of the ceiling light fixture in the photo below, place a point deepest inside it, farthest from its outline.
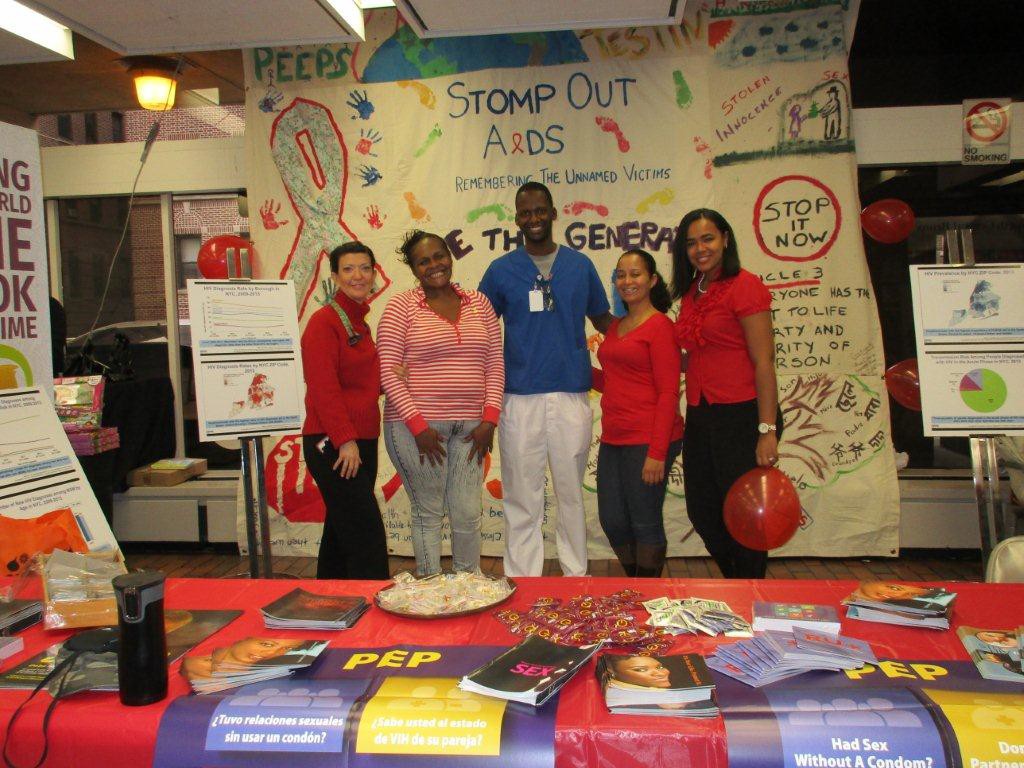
(348, 13)
(156, 81)
(34, 27)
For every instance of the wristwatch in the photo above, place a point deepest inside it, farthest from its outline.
(764, 429)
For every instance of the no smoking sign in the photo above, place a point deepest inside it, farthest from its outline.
(986, 131)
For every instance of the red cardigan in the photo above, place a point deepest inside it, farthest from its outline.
(342, 380)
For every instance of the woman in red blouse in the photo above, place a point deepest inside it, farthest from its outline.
(339, 436)
(641, 430)
(732, 414)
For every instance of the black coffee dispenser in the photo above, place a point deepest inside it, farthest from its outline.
(142, 651)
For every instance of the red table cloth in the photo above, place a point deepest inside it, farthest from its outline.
(94, 729)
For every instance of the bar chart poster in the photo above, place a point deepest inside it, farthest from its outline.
(969, 326)
(245, 355)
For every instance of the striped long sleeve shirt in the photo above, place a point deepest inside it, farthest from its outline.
(456, 370)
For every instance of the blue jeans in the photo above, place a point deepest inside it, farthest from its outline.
(452, 487)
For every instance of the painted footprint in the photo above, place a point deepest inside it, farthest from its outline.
(427, 97)
(502, 212)
(417, 211)
(608, 125)
(434, 135)
(684, 96)
(579, 206)
(661, 197)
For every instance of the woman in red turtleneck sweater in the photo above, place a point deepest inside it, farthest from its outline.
(339, 436)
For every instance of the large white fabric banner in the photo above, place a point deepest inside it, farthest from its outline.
(737, 109)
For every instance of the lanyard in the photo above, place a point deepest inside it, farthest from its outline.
(353, 337)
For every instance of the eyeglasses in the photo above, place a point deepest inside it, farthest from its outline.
(543, 284)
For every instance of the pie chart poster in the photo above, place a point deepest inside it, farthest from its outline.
(972, 393)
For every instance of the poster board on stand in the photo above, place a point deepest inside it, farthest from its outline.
(969, 327)
(246, 358)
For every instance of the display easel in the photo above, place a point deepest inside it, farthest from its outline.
(254, 489)
(956, 247)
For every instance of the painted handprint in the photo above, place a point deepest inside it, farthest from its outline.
(361, 104)
(373, 217)
(268, 214)
(369, 175)
(367, 138)
(270, 99)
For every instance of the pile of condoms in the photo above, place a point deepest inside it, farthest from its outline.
(587, 619)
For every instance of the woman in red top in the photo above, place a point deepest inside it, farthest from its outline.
(641, 429)
(339, 436)
(732, 413)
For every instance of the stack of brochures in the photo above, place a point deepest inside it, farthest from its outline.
(776, 655)
(252, 660)
(16, 615)
(677, 685)
(694, 614)
(786, 616)
(300, 609)
(531, 672)
(995, 652)
(908, 605)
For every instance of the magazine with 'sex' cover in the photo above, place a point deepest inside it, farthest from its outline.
(530, 672)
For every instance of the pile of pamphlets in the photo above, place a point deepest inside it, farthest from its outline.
(908, 605)
(678, 685)
(531, 672)
(786, 616)
(776, 655)
(16, 615)
(693, 615)
(251, 660)
(300, 609)
(995, 652)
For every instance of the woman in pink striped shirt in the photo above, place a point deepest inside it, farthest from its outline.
(439, 419)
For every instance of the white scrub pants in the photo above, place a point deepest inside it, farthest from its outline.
(536, 431)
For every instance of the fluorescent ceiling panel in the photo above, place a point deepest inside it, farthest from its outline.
(27, 36)
(137, 27)
(444, 18)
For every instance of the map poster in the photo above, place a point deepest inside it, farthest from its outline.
(45, 499)
(969, 326)
(970, 305)
(245, 355)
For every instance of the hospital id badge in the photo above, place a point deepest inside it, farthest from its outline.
(536, 300)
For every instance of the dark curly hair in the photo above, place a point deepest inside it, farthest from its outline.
(411, 240)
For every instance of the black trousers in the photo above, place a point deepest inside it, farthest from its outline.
(719, 446)
(353, 544)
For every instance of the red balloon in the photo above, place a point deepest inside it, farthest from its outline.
(888, 221)
(213, 255)
(904, 383)
(762, 509)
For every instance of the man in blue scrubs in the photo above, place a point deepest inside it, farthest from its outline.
(544, 293)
